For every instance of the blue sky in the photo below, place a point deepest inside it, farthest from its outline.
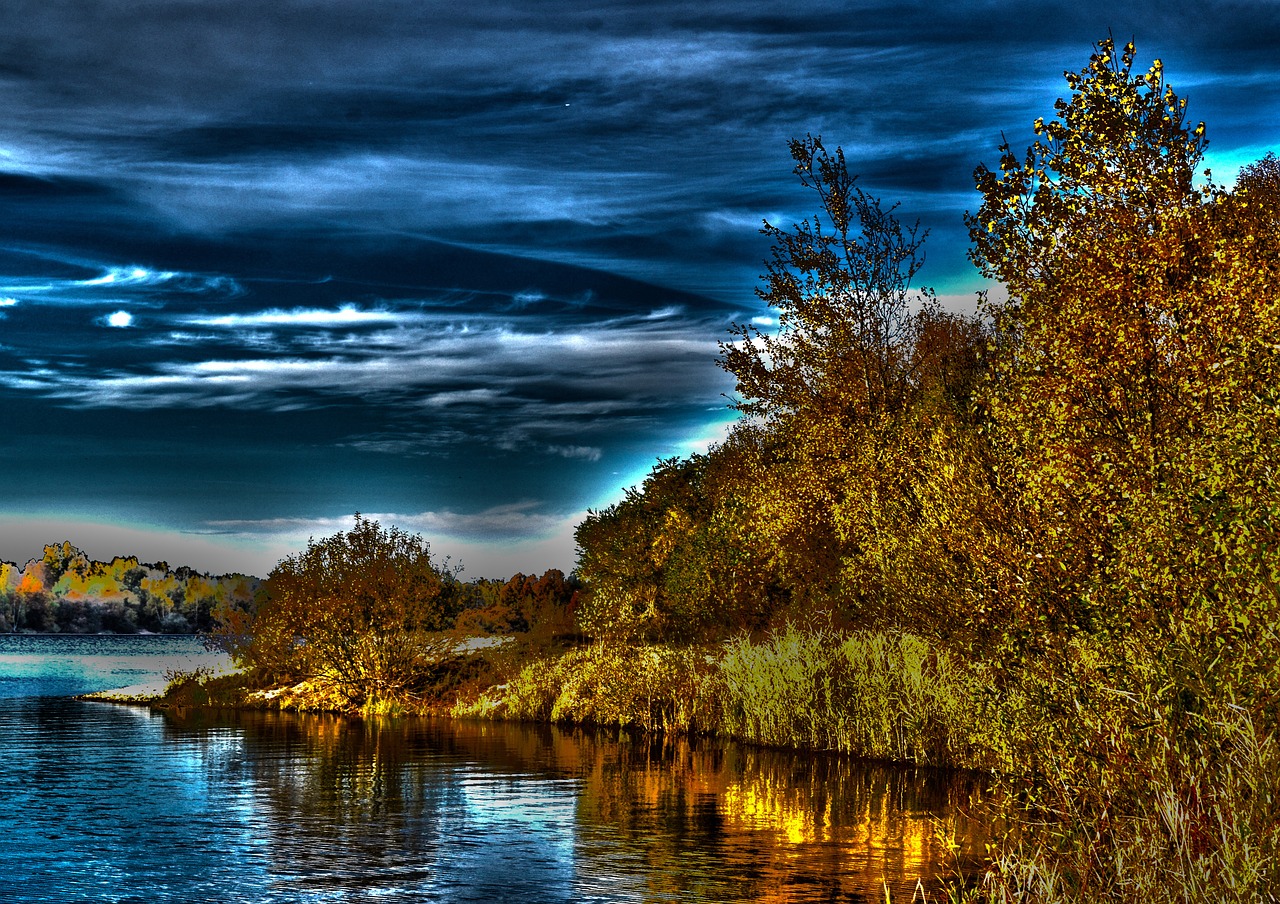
(463, 267)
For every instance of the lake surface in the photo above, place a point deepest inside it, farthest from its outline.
(100, 802)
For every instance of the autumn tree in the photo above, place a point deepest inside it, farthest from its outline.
(1134, 409)
(358, 611)
(841, 284)
(1134, 360)
(863, 373)
(680, 558)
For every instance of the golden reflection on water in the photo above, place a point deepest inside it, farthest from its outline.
(608, 816)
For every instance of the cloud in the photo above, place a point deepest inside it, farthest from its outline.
(139, 284)
(585, 453)
(347, 315)
(119, 319)
(481, 364)
(494, 542)
(128, 277)
(517, 520)
(292, 209)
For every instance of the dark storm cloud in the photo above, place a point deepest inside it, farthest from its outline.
(468, 263)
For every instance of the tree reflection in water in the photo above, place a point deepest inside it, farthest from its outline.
(491, 811)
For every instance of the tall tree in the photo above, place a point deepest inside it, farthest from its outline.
(864, 371)
(1133, 344)
(841, 283)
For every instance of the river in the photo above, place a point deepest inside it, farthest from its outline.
(101, 802)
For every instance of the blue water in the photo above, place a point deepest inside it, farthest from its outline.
(101, 802)
(61, 665)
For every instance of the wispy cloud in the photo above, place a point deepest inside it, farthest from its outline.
(446, 366)
(347, 315)
(518, 520)
(585, 453)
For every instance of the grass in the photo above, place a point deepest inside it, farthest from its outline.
(872, 694)
(883, 695)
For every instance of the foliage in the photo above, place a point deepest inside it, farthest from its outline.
(1135, 344)
(1075, 497)
(841, 283)
(872, 694)
(65, 591)
(361, 611)
(1134, 404)
(813, 504)
(541, 608)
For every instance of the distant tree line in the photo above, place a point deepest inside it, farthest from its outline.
(66, 592)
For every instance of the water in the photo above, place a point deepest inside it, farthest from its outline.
(100, 802)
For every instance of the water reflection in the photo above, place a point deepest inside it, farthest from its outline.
(491, 812)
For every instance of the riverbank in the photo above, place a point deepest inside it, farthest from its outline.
(888, 696)
(1105, 789)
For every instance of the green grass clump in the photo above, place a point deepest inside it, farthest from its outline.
(885, 695)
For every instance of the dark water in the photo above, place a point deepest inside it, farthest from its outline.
(109, 803)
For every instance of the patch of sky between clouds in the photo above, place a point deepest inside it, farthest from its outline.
(1225, 165)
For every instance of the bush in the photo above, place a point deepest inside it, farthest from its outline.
(650, 688)
(361, 611)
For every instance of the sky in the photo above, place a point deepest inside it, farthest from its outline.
(463, 268)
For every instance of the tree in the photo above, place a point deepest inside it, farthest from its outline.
(864, 373)
(841, 283)
(677, 559)
(358, 611)
(1134, 355)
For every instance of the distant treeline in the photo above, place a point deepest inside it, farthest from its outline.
(64, 591)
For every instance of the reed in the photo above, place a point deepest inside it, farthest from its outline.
(648, 688)
(884, 695)
(1194, 816)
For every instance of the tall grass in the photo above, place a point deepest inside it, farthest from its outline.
(1186, 816)
(873, 694)
(886, 695)
(649, 688)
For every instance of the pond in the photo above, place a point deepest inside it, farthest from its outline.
(111, 803)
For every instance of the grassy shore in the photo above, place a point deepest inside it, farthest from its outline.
(1110, 790)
